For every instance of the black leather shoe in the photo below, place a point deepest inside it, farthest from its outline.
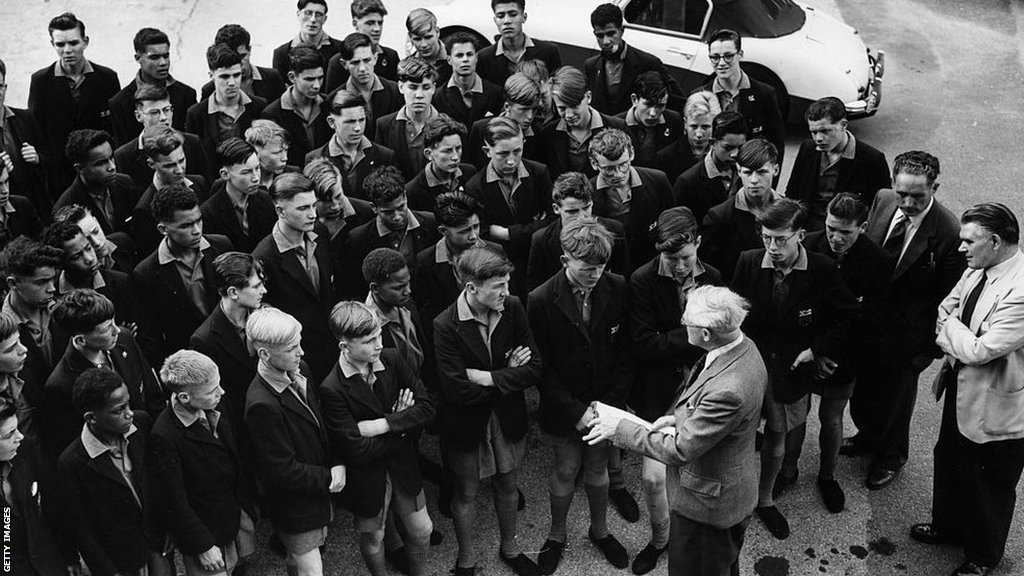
(850, 447)
(522, 502)
(550, 557)
(774, 521)
(647, 559)
(782, 483)
(436, 537)
(398, 560)
(926, 533)
(625, 504)
(463, 571)
(832, 494)
(520, 564)
(879, 478)
(613, 551)
(972, 569)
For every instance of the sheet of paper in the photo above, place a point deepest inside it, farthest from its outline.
(603, 409)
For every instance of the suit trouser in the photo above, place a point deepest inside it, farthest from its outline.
(882, 407)
(698, 549)
(974, 488)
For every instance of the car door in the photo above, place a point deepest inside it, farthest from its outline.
(672, 30)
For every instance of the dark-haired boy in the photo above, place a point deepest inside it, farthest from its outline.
(97, 186)
(402, 131)
(521, 100)
(23, 152)
(579, 318)
(650, 123)
(115, 252)
(390, 296)
(380, 95)
(311, 14)
(240, 210)
(95, 341)
(443, 139)
(300, 110)
(228, 111)
(30, 269)
(466, 97)
(707, 184)
(367, 18)
(153, 53)
(266, 83)
(498, 61)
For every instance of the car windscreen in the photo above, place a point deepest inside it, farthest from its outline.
(757, 18)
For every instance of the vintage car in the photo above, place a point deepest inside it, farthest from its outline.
(805, 54)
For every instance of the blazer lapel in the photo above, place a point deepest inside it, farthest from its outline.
(918, 244)
(290, 264)
(171, 277)
(359, 392)
(709, 372)
(565, 301)
(104, 467)
(291, 402)
(880, 229)
(497, 200)
(470, 334)
(228, 338)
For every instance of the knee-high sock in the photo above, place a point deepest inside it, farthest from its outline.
(506, 506)
(464, 519)
(597, 498)
(559, 514)
(771, 463)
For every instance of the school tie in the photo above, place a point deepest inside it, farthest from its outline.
(894, 243)
(698, 367)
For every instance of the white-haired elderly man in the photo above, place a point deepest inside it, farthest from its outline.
(708, 439)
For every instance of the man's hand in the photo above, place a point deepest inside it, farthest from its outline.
(498, 232)
(802, 358)
(519, 356)
(29, 154)
(6, 159)
(405, 400)
(212, 560)
(826, 367)
(337, 479)
(602, 428)
(75, 569)
(371, 428)
(588, 416)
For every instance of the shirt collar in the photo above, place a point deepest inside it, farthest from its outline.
(492, 175)
(744, 84)
(279, 381)
(632, 121)
(800, 264)
(256, 74)
(721, 350)
(334, 150)
(741, 199)
(634, 180)
(442, 255)
(851, 147)
(465, 311)
(64, 285)
(596, 122)
(96, 448)
(994, 272)
(164, 255)
(377, 85)
(349, 370)
(59, 72)
(383, 230)
(320, 41)
(915, 221)
(284, 244)
(711, 166)
(403, 114)
(188, 417)
(10, 308)
(478, 84)
(432, 180)
(666, 272)
(288, 103)
(500, 48)
(213, 106)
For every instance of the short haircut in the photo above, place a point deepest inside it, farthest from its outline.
(65, 21)
(234, 269)
(726, 35)
(171, 199)
(289, 184)
(222, 56)
(611, 143)
(830, 108)
(7, 409)
(756, 153)
(233, 151)
(848, 208)
(534, 69)
(501, 128)
(303, 3)
(569, 84)
(650, 86)
(480, 264)
(416, 69)
(23, 256)
(73, 213)
(325, 177)
(701, 103)
(345, 99)
(381, 263)
(588, 240)
(350, 319)
(353, 42)
(272, 327)
(453, 209)
(572, 185)
(728, 122)
(92, 389)
(916, 163)
(80, 311)
(363, 8)
(716, 308)
(9, 325)
(783, 213)
(234, 36)
(265, 132)
(521, 89)
(3, 67)
(461, 38)
(384, 184)
(81, 142)
(160, 140)
(150, 93)
(520, 3)
(59, 232)
(996, 218)
(186, 370)
(420, 21)
(440, 127)
(148, 37)
(302, 58)
(675, 227)
(606, 14)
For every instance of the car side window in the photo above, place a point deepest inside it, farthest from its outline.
(686, 16)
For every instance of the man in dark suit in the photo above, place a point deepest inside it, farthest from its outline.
(443, 140)
(572, 198)
(579, 317)
(486, 358)
(738, 92)
(632, 196)
(611, 72)
(312, 14)
(299, 268)
(521, 100)
(367, 18)
(710, 441)
(922, 236)
(174, 284)
(801, 316)
(395, 227)
(205, 501)
(23, 148)
(498, 61)
(97, 186)
(300, 110)
(240, 210)
(295, 465)
(833, 161)
(94, 339)
(153, 53)
(266, 83)
(466, 97)
(30, 271)
(17, 214)
(402, 130)
(515, 194)
(650, 123)
(70, 94)
(349, 149)
(228, 111)
(565, 142)
(711, 181)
